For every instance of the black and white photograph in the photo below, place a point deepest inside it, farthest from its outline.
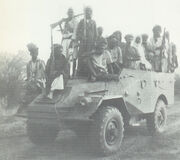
(89, 80)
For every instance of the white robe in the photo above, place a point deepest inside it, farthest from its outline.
(66, 41)
(141, 52)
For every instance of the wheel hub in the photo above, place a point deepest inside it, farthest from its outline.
(160, 118)
(112, 131)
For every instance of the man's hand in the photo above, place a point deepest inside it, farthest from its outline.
(57, 23)
(62, 20)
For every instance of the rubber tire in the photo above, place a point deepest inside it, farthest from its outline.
(152, 121)
(41, 134)
(102, 117)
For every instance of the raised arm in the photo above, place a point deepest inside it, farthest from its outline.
(59, 23)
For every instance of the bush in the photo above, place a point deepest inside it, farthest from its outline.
(12, 75)
(177, 84)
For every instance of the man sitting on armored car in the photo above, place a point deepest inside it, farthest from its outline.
(35, 82)
(116, 56)
(57, 71)
(130, 56)
(98, 63)
(155, 46)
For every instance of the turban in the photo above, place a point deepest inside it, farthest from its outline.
(129, 37)
(88, 8)
(70, 10)
(102, 43)
(157, 28)
(145, 36)
(32, 47)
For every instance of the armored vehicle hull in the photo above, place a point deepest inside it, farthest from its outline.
(104, 109)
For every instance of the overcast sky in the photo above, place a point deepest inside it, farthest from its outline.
(24, 21)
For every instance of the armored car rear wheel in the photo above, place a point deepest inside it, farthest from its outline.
(41, 134)
(156, 122)
(107, 130)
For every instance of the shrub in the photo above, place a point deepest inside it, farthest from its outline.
(12, 75)
(177, 84)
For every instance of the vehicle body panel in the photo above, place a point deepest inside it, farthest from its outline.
(138, 90)
(141, 89)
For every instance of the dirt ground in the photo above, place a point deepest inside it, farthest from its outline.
(137, 144)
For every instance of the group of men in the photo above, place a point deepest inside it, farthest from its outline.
(81, 41)
(85, 52)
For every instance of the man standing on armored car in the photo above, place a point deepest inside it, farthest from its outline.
(86, 36)
(68, 31)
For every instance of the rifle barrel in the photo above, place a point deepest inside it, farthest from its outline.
(52, 46)
(78, 15)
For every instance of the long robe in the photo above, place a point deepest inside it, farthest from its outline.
(142, 60)
(54, 68)
(68, 34)
(35, 81)
(87, 42)
(86, 34)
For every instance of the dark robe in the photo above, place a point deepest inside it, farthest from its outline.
(87, 42)
(55, 67)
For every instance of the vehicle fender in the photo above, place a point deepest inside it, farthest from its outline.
(118, 102)
(164, 98)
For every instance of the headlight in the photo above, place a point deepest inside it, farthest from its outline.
(85, 100)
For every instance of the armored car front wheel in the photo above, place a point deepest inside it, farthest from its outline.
(156, 122)
(107, 130)
(41, 134)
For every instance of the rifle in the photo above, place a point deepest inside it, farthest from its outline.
(66, 19)
(52, 45)
(84, 27)
(162, 47)
(52, 52)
